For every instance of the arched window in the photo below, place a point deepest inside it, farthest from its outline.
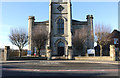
(61, 44)
(60, 26)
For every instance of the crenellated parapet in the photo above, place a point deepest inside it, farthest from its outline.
(89, 17)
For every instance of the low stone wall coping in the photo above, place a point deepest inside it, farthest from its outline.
(98, 58)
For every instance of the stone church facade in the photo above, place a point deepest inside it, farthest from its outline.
(60, 27)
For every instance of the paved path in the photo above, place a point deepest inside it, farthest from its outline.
(72, 61)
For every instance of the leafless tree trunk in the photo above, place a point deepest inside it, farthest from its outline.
(39, 37)
(79, 39)
(101, 50)
(19, 38)
(102, 32)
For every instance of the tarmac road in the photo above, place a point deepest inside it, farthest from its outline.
(58, 68)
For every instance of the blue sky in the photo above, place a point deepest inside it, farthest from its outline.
(15, 15)
(119, 15)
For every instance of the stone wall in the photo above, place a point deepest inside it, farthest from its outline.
(15, 53)
(1, 56)
(114, 56)
(12, 55)
(114, 52)
(8, 53)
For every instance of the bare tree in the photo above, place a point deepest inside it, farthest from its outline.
(79, 39)
(102, 32)
(39, 37)
(19, 38)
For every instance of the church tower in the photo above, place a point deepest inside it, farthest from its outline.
(60, 21)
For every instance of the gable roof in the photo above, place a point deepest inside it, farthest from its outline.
(115, 34)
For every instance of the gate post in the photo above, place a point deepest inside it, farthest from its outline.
(6, 53)
(70, 53)
(48, 54)
(116, 54)
(112, 52)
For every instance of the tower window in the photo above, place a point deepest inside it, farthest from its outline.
(60, 26)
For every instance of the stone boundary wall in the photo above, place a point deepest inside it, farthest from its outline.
(114, 55)
(15, 53)
(1, 55)
(11, 54)
(96, 58)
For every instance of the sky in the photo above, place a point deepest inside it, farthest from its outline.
(15, 15)
(119, 15)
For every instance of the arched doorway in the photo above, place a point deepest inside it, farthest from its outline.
(60, 48)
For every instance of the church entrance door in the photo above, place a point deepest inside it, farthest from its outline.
(60, 48)
(60, 51)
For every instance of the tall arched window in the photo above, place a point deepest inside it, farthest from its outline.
(60, 26)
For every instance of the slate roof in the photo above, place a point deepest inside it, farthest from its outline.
(115, 34)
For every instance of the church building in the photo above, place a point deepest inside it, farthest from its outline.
(60, 27)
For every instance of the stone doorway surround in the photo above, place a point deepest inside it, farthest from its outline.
(61, 44)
